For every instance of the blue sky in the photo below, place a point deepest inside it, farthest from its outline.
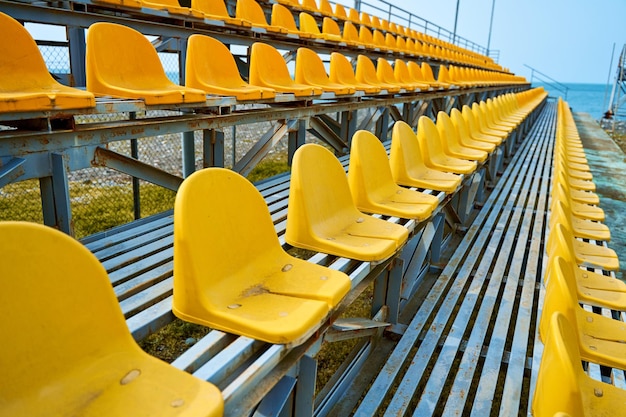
(569, 40)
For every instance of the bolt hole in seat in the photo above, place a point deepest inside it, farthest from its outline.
(25, 83)
(68, 350)
(122, 62)
(323, 217)
(230, 271)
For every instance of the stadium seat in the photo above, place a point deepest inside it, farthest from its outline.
(452, 144)
(386, 75)
(401, 73)
(122, 62)
(216, 10)
(282, 16)
(372, 185)
(366, 74)
(463, 134)
(308, 24)
(25, 83)
(340, 12)
(70, 350)
(474, 129)
(220, 220)
(432, 150)
(601, 340)
(427, 74)
(310, 71)
(581, 228)
(585, 253)
(330, 28)
(323, 217)
(269, 69)
(341, 72)
(218, 75)
(562, 385)
(350, 35)
(251, 11)
(408, 167)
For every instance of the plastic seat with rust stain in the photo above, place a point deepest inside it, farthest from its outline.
(372, 185)
(408, 167)
(562, 385)
(310, 71)
(601, 339)
(269, 69)
(585, 254)
(218, 75)
(70, 351)
(230, 271)
(432, 150)
(122, 62)
(323, 217)
(25, 83)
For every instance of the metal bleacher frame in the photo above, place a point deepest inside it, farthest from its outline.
(253, 376)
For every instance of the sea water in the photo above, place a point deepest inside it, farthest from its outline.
(584, 98)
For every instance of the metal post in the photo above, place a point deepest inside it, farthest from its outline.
(76, 36)
(456, 18)
(61, 191)
(134, 152)
(189, 154)
(493, 6)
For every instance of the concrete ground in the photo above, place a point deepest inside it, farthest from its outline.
(608, 166)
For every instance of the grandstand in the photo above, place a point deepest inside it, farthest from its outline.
(419, 169)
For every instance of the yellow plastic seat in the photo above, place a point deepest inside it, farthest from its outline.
(350, 34)
(341, 72)
(489, 116)
(386, 75)
(216, 10)
(340, 12)
(366, 37)
(172, 7)
(310, 71)
(330, 28)
(322, 216)
(121, 62)
(600, 339)
(463, 134)
(308, 24)
(427, 74)
(282, 16)
(251, 11)
(572, 173)
(484, 127)
(433, 152)
(585, 254)
(353, 16)
(230, 271)
(562, 385)
(365, 19)
(269, 69)
(326, 8)
(70, 352)
(474, 129)
(401, 73)
(451, 143)
(218, 75)
(581, 228)
(25, 83)
(588, 281)
(408, 167)
(309, 5)
(372, 185)
(366, 74)
(576, 196)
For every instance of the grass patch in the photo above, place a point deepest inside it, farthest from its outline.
(268, 168)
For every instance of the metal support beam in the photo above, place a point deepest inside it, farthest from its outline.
(262, 147)
(437, 243)
(61, 194)
(348, 126)
(76, 37)
(188, 153)
(11, 171)
(278, 399)
(122, 163)
(305, 388)
(326, 133)
(213, 148)
(382, 125)
(297, 138)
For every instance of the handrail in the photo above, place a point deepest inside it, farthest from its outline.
(546, 79)
(425, 26)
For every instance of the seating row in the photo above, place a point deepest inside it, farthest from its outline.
(270, 292)
(577, 275)
(121, 62)
(351, 28)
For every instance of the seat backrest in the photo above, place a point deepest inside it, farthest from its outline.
(326, 8)
(282, 16)
(251, 11)
(221, 70)
(341, 69)
(376, 23)
(310, 5)
(401, 71)
(365, 36)
(401, 45)
(310, 68)
(459, 124)
(211, 7)
(369, 175)
(365, 71)
(427, 72)
(560, 243)
(415, 71)
(350, 32)
(365, 19)
(58, 309)
(268, 66)
(405, 157)
(557, 389)
(330, 26)
(561, 294)
(353, 16)
(447, 132)
(308, 24)
(340, 12)
(429, 139)
(384, 72)
(219, 219)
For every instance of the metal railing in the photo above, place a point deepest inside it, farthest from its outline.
(547, 81)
